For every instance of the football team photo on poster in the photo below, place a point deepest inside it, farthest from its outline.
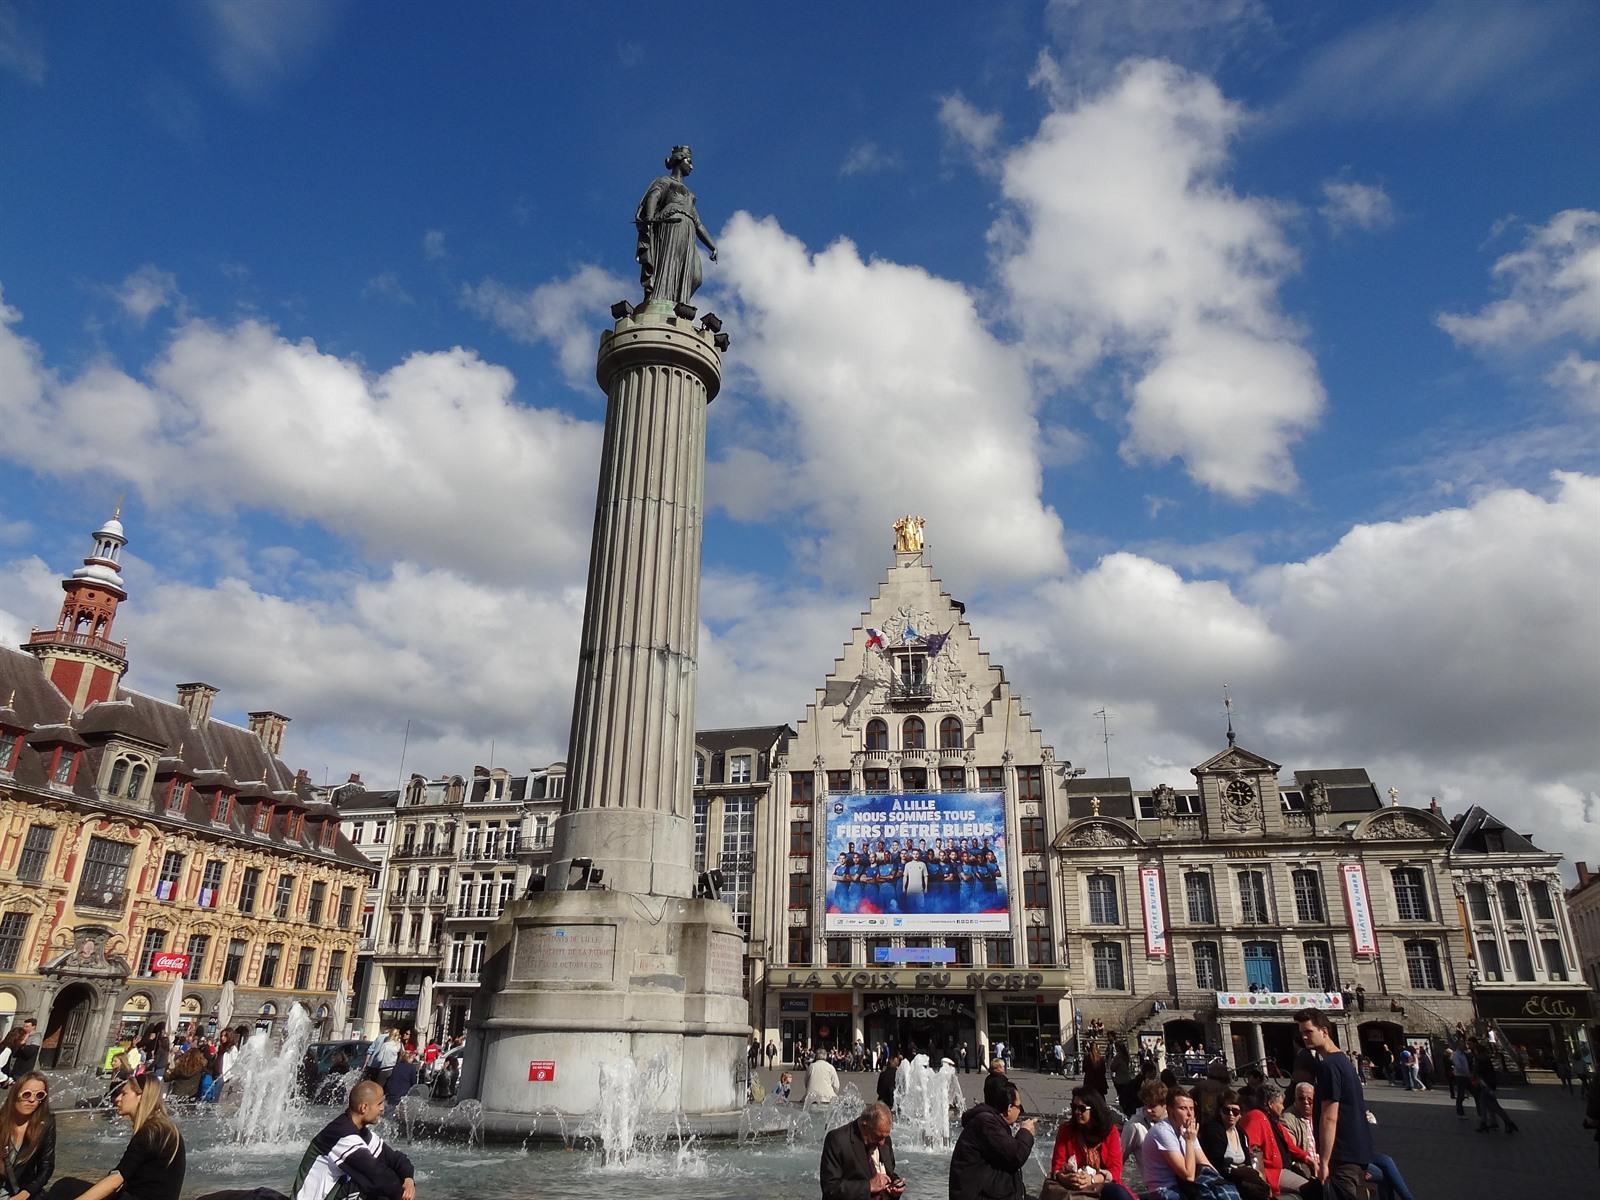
(918, 862)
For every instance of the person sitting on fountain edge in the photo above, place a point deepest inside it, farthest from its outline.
(858, 1158)
(349, 1159)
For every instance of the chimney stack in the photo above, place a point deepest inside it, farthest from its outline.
(355, 778)
(195, 699)
(269, 727)
(1583, 875)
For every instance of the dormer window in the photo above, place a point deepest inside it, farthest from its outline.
(177, 793)
(263, 816)
(65, 767)
(10, 741)
(222, 808)
(125, 780)
(738, 768)
(699, 770)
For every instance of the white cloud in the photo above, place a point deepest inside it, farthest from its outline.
(1430, 61)
(387, 286)
(1123, 240)
(1451, 654)
(1348, 205)
(1092, 36)
(1579, 378)
(892, 398)
(21, 47)
(432, 459)
(433, 245)
(255, 46)
(969, 127)
(563, 314)
(866, 158)
(146, 292)
(1551, 286)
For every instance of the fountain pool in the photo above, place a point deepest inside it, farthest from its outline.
(780, 1165)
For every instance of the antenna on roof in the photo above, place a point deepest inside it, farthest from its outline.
(1105, 734)
(1227, 707)
(400, 783)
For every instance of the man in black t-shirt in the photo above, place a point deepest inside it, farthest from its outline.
(1344, 1138)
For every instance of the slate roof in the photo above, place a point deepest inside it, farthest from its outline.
(1350, 789)
(1472, 826)
(216, 753)
(759, 737)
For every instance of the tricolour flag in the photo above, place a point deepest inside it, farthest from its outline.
(874, 638)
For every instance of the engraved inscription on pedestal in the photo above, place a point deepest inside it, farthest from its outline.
(565, 952)
(725, 965)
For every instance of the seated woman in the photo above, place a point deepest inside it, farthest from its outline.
(184, 1076)
(152, 1166)
(27, 1138)
(1297, 1166)
(1088, 1155)
(1221, 1138)
(1260, 1133)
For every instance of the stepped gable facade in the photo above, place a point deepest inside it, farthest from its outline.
(911, 879)
(146, 845)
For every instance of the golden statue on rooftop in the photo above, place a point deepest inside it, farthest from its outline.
(908, 535)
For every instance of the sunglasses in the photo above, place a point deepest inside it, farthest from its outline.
(1233, 1110)
(32, 1095)
(1080, 1108)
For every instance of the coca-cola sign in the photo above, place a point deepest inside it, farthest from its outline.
(166, 961)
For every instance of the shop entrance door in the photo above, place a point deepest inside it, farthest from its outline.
(795, 1031)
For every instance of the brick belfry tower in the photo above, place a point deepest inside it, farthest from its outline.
(617, 958)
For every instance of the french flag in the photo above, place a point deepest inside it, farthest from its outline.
(874, 638)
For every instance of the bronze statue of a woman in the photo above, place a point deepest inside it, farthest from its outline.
(669, 260)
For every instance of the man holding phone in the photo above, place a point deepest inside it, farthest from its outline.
(996, 1140)
(858, 1158)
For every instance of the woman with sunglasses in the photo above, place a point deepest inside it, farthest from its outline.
(152, 1166)
(27, 1138)
(1228, 1148)
(1088, 1154)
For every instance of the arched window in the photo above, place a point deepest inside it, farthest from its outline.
(951, 736)
(1103, 906)
(877, 735)
(119, 777)
(136, 780)
(1319, 966)
(913, 734)
(1207, 967)
(1478, 902)
(1410, 894)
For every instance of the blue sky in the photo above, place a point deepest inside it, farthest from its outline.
(1218, 341)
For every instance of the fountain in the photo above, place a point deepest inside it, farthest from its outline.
(925, 1101)
(267, 1083)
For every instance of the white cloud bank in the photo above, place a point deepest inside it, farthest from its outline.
(1123, 241)
(1350, 205)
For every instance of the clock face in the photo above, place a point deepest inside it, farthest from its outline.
(1241, 794)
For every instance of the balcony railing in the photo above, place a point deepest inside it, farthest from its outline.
(407, 948)
(459, 977)
(366, 945)
(426, 850)
(904, 692)
(480, 912)
(103, 899)
(82, 641)
(483, 854)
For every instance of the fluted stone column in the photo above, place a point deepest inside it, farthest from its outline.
(630, 765)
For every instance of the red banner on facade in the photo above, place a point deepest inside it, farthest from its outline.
(170, 961)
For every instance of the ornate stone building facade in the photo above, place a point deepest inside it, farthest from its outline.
(1583, 910)
(146, 845)
(450, 854)
(1527, 981)
(919, 764)
(1205, 915)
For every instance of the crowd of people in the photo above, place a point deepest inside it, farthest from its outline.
(1200, 1142)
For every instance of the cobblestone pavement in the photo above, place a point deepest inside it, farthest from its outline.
(1440, 1154)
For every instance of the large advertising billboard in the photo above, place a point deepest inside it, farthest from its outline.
(922, 862)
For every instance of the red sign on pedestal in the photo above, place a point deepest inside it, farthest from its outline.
(541, 1071)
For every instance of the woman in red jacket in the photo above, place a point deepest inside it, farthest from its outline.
(1256, 1127)
(1088, 1155)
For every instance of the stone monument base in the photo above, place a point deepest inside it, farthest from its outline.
(574, 981)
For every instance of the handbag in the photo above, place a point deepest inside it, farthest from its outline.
(1252, 1184)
